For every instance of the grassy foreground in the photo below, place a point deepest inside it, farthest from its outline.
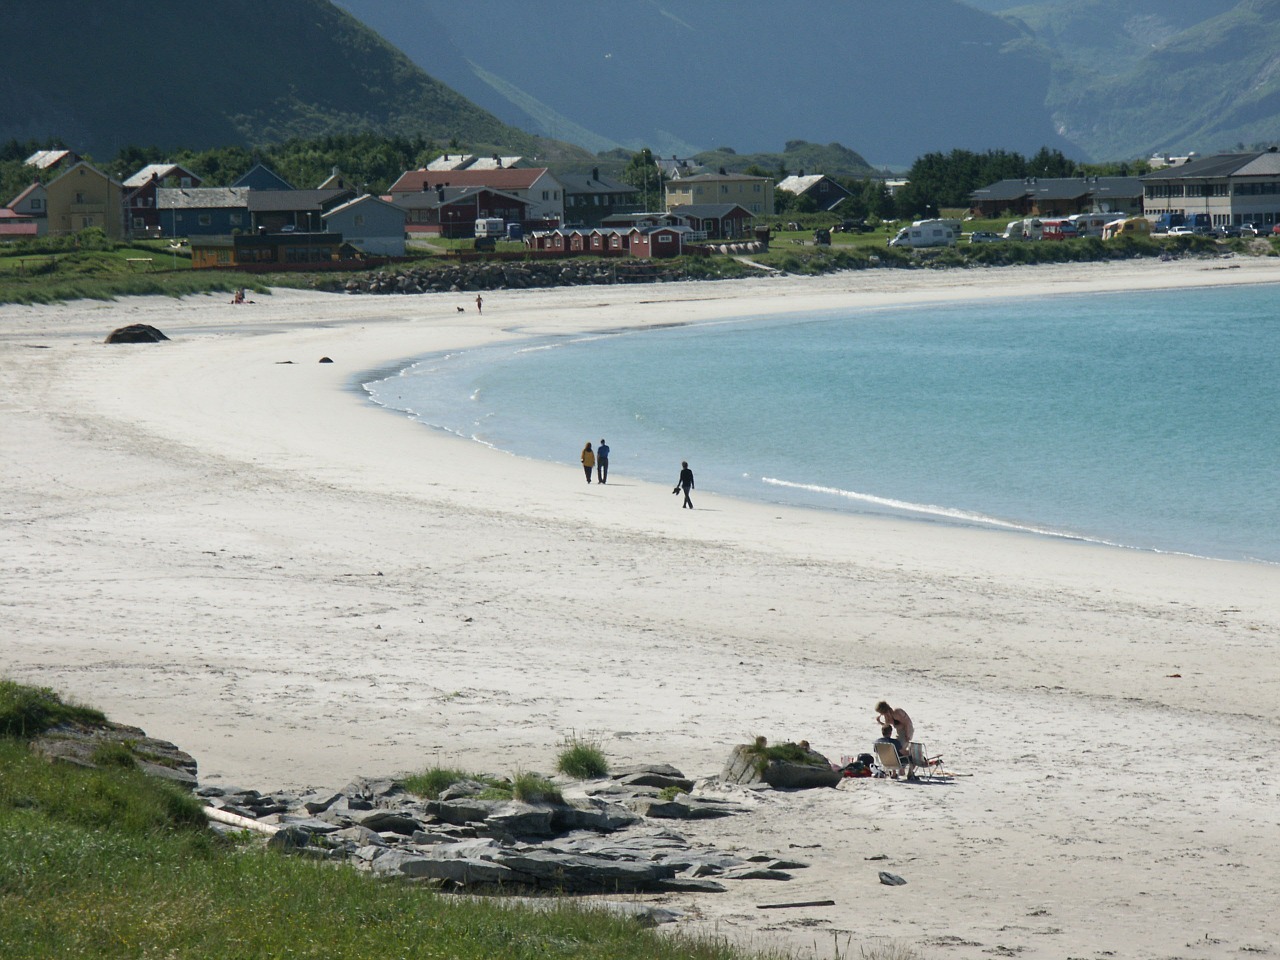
(110, 863)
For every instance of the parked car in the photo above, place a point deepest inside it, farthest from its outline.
(1227, 231)
(984, 236)
(1276, 229)
(1248, 230)
(1181, 232)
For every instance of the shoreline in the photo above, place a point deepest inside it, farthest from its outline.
(237, 554)
(759, 489)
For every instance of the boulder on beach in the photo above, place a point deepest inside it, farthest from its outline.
(135, 333)
(788, 766)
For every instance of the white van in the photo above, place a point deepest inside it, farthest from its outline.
(1091, 224)
(928, 233)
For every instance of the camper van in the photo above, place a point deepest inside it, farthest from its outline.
(491, 227)
(1091, 224)
(1132, 227)
(1029, 229)
(928, 233)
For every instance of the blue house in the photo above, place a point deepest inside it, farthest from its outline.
(369, 224)
(262, 178)
(202, 211)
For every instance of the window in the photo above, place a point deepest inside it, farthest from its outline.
(234, 219)
(80, 196)
(759, 188)
(359, 219)
(664, 238)
(138, 223)
(205, 220)
(546, 194)
(86, 222)
(37, 204)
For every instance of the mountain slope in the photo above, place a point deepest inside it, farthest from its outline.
(895, 78)
(1210, 85)
(103, 75)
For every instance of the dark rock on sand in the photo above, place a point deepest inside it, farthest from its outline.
(135, 333)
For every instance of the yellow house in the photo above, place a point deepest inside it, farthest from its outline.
(85, 197)
(754, 193)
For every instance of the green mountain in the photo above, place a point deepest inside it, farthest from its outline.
(1136, 77)
(99, 76)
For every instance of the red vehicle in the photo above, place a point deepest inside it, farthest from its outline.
(1059, 230)
(1276, 229)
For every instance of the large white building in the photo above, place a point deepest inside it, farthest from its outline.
(1233, 188)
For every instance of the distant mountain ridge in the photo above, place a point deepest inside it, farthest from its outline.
(104, 75)
(894, 79)
(891, 78)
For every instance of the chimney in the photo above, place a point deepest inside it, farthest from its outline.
(801, 172)
(595, 173)
(723, 173)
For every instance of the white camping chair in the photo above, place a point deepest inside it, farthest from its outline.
(919, 758)
(887, 757)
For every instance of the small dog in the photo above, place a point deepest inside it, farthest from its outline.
(462, 309)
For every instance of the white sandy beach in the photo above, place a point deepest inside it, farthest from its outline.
(248, 558)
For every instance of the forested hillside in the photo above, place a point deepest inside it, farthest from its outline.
(99, 76)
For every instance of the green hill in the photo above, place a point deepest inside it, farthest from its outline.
(100, 76)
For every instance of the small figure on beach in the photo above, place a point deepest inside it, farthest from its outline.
(904, 730)
(685, 483)
(479, 304)
(238, 296)
(588, 460)
(602, 461)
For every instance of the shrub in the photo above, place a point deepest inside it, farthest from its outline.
(671, 792)
(582, 759)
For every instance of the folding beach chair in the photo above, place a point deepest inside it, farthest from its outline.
(919, 758)
(887, 757)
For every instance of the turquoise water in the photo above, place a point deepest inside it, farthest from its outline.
(1146, 420)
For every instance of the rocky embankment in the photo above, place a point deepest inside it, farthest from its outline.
(616, 837)
(519, 275)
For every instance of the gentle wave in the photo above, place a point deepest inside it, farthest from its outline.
(933, 510)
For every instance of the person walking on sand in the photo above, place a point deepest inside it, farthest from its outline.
(685, 483)
(602, 461)
(479, 304)
(588, 460)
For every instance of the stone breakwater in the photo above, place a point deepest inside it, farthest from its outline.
(617, 837)
(518, 275)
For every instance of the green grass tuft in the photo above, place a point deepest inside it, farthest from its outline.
(432, 782)
(582, 759)
(532, 788)
(28, 711)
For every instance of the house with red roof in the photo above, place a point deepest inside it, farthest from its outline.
(536, 186)
(27, 215)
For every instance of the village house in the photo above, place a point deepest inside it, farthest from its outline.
(535, 185)
(142, 216)
(27, 214)
(369, 224)
(589, 199)
(262, 177)
(1058, 197)
(303, 211)
(1232, 188)
(47, 163)
(714, 221)
(823, 192)
(754, 193)
(203, 211)
(82, 197)
(268, 250)
(452, 212)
